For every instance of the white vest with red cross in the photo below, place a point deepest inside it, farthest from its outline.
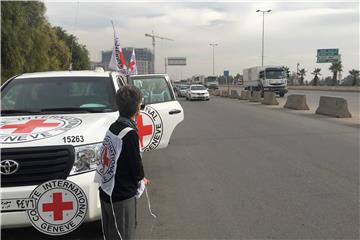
(110, 152)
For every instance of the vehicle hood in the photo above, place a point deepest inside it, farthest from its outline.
(57, 129)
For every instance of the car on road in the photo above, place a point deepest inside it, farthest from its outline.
(197, 92)
(182, 90)
(53, 124)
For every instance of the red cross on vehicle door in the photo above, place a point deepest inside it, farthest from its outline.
(161, 114)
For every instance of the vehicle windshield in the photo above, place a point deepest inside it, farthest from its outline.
(211, 79)
(66, 94)
(275, 73)
(198, 88)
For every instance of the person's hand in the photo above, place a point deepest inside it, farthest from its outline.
(146, 181)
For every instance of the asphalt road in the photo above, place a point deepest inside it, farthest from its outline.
(240, 170)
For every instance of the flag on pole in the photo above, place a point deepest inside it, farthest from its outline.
(132, 64)
(117, 61)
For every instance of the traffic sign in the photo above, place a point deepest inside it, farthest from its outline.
(328, 55)
(176, 61)
(226, 73)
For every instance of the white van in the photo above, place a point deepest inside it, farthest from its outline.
(53, 123)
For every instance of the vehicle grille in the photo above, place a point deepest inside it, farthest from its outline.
(37, 164)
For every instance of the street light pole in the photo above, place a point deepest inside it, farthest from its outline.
(297, 73)
(263, 30)
(213, 46)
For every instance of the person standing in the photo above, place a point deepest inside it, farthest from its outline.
(120, 172)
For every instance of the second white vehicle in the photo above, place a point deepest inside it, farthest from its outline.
(197, 92)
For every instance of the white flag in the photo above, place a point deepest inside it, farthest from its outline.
(132, 64)
(117, 61)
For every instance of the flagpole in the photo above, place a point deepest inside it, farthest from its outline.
(112, 23)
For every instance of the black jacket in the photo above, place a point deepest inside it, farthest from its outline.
(129, 170)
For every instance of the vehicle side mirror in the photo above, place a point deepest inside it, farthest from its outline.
(143, 104)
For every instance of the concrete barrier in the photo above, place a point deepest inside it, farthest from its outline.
(224, 93)
(269, 99)
(244, 95)
(333, 106)
(255, 97)
(216, 92)
(234, 94)
(297, 102)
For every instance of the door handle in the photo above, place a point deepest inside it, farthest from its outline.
(174, 111)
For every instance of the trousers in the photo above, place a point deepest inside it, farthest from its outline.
(119, 219)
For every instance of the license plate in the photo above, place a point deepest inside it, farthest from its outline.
(14, 204)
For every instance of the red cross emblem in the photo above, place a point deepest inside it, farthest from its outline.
(105, 157)
(57, 206)
(29, 126)
(131, 65)
(143, 130)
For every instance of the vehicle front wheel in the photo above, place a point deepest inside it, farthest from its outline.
(282, 94)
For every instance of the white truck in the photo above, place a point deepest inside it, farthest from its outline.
(212, 82)
(266, 78)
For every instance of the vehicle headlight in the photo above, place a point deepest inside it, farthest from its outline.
(87, 158)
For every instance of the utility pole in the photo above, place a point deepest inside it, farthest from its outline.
(297, 73)
(153, 36)
(263, 30)
(213, 46)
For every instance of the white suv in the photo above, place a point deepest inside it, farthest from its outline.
(53, 123)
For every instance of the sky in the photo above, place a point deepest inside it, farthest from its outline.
(293, 32)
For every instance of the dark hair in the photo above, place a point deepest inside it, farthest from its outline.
(128, 99)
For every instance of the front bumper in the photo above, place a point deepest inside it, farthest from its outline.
(20, 218)
(204, 97)
(278, 90)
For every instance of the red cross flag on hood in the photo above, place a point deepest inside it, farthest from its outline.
(117, 61)
(132, 64)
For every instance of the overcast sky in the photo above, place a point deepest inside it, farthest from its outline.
(293, 32)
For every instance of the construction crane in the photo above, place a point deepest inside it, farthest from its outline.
(153, 36)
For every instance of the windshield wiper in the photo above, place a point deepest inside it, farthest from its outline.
(18, 111)
(75, 109)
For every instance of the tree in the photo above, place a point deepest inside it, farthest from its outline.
(238, 79)
(287, 72)
(302, 73)
(355, 75)
(335, 68)
(30, 44)
(316, 73)
(79, 54)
